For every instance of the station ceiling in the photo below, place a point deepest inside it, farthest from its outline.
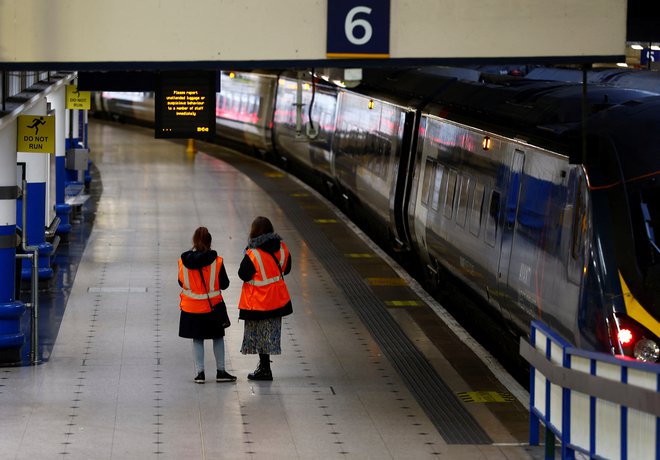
(156, 34)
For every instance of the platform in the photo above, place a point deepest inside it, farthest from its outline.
(369, 368)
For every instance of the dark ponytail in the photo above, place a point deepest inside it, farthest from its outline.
(201, 239)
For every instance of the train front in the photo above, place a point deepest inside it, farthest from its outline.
(623, 166)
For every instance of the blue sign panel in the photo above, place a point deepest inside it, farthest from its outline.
(647, 56)
(358, 29)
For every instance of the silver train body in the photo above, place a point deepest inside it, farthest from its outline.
(487, 183)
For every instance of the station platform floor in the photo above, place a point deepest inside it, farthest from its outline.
(371, 366)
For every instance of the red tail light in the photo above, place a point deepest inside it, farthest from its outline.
(625, 336)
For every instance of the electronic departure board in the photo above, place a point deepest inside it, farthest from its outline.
(185, 104)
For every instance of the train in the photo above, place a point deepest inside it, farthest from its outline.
(539, 197)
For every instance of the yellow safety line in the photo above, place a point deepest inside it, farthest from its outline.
(276, 175)
(360, 255)
(404, 303)
(486, 396)
(387, 282)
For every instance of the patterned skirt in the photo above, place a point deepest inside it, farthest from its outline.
(262, 336)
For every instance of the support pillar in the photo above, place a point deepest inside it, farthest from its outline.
(84, 114)
(11, 309)
(37, 167)
(57, 100)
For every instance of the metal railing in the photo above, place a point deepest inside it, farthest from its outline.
(593, 403)
(15, 82)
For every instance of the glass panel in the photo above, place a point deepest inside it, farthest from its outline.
(428, 173)
(439, 172)
(475, 213)
(461, 212)
(579, 221)
(451, 191)
(492, 218)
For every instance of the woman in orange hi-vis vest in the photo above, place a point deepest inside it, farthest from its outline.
(202, 276)
(264, 297)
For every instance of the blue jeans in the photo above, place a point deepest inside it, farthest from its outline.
(218, 351)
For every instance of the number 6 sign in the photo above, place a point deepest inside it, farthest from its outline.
(358, 29)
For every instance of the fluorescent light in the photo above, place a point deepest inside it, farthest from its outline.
(637, 47)
(655, 48)
(621, 64)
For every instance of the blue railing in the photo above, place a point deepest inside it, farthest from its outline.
(593, 403)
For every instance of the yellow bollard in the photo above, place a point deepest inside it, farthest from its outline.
(191, 150)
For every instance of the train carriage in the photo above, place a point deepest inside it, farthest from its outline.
(485, 180)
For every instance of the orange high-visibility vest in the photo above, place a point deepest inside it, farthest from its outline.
(266, 290)
(194, 298)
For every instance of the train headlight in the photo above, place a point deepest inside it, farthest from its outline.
(647, 350)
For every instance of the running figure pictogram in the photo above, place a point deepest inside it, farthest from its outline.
(35, 124)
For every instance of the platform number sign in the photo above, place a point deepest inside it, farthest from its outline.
(358, 29)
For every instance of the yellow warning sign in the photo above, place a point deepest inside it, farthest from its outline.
(486, 396)
(36, 134)
(80, 100)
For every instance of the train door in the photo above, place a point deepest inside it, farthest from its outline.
(424, 168)
(510, 210)
(401, 196)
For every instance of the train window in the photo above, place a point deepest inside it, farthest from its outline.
(492, 218)
(461, 212)
(475, 213)
(579, 221)
(426, 184)
(451, 191)
(437, 182)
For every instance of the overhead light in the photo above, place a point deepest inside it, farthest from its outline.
(621, 64)
(655, 48)
(637, 47)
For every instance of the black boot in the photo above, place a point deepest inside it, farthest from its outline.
(262, 372)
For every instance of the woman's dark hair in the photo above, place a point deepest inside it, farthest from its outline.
(201, 239)
(260, 226)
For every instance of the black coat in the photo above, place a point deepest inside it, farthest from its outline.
(270, 242)
(202, 325)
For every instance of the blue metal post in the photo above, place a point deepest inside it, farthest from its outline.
(534, 421)
(566, 452)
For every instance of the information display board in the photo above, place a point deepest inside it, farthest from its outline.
(185, 104)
